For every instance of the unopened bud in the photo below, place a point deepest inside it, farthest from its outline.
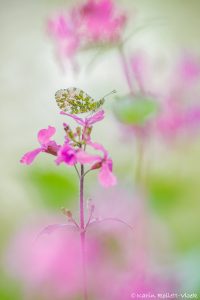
(96, 166)
(90, 205)
(78, 131)
(67, 212)
(70, 135)
(66, 127)
(88, 131)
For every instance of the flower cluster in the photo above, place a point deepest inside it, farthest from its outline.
(177, 111)
(73, 151)
(179, 115)
(95, 22)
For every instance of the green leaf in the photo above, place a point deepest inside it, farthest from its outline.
(165, 192)
(9, 289)
(56, 189)
(135, 110)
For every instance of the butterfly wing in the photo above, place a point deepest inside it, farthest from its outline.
(74, 101)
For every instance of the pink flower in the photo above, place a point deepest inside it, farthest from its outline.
(94, 22)
(179, 114)
(178, 120)
(52, 261)
(64, 30)
(86, 122)
(188, 68)
(46, 145)
(101, 21)
(106, 177)
(66, 154)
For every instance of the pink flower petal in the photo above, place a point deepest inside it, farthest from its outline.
(29, 157)
(86, 158)
(95, 118)
(77, 119)
(44, 135)
(66, 154)
(99, 147)
(106, 177)
(87, 121)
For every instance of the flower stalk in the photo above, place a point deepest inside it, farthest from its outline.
(73, 153)
(125, 68)
(82, 234)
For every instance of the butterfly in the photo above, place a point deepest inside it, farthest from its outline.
(75, 101)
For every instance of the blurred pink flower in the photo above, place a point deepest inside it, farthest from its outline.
(178, 112)
(64, 31)
(106, 177)
(178, 120)
(90, 23)
(46, 145)
(51, 264)
(102, 23)
(188, 68)
(136, 271)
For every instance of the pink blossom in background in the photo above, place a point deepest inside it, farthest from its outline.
(174, 122)
(62, 28)
(46, 145)
(86, 24)
(188, 68)
(50, 264)
(130, 267)
(178, 113)
(101, 21)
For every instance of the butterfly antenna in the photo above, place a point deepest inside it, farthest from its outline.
(113, 92)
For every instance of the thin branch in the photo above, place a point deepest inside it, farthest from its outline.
(87, 172)
(89, 219)
(126, 69)
(111, 219)
(77, 171)
(53, 227)
(72, 220)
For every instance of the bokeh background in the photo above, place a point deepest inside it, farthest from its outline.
(30, 75)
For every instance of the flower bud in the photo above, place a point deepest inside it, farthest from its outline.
(78, 131)
(67, 212)
(96, 166)
(87, 133)
(66, 127)
(70, 135)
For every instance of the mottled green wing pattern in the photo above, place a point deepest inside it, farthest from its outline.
(76, 101)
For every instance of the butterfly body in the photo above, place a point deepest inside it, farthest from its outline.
(76, 101)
